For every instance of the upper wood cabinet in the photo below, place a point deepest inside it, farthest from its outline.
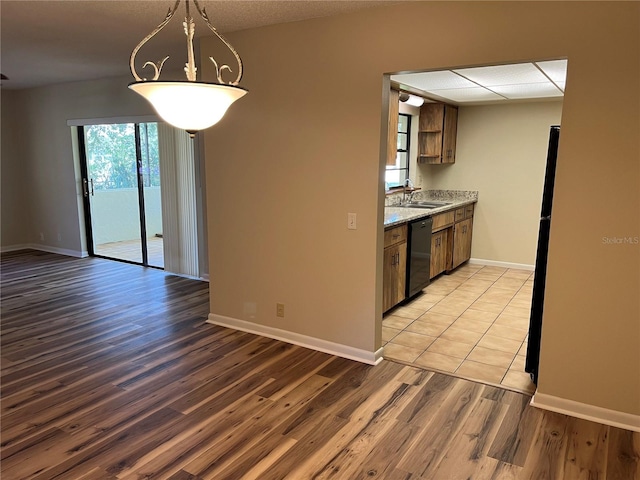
(392, 135)
(437, 131)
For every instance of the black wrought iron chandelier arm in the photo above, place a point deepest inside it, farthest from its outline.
(220, 69)
(157, 66)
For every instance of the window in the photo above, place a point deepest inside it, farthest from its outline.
(397, 174)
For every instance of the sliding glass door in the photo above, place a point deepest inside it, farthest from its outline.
(121, 182)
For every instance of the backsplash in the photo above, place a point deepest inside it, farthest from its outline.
(438, 195)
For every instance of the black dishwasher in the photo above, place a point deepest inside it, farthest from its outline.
(419, 252)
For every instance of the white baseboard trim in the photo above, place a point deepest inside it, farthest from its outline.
(45, 248)
(345, 351)
(593, 413)
(495, 263)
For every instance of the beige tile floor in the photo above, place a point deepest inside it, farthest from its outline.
(472, 323)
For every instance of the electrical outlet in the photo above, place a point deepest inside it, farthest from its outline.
(351, 221)
(280, 310)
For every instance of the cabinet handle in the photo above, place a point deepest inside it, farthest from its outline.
(395, 235)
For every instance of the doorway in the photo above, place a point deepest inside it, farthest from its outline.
(122, 192)
(500, 154)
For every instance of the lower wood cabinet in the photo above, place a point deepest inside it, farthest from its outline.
(451, 239)
(461, 242)
(394, 274)
(439, 252)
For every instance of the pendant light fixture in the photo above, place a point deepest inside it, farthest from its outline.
(189, 105)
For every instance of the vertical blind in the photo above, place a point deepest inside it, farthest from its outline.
(179, 218)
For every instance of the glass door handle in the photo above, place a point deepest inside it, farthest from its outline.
(85, 187)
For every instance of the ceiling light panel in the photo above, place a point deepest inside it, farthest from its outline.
(528, 90)
(519, 73)
(473, 94)
(556, 70)
(433, 80)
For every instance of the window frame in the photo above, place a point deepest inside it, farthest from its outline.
(406, 151)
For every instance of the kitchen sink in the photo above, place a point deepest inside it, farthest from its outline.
(425, 204)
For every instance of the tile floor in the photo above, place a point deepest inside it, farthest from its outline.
(472, 323)
(131, 250)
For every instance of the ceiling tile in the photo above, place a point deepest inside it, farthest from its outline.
(433, 80)
(473, 94)
(556, 70)
(528, 90)
(518, 73)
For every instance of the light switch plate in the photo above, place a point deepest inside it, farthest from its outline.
(351, 221)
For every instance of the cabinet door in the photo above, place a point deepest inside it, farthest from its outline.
(462, 242)
(450, 134)
(392, 139)
(394, 275)
(438, 253)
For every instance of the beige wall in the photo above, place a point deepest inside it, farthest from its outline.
(501, 152)
(304, 148)
(15, 211)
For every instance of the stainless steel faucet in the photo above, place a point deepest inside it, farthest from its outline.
(406, 195)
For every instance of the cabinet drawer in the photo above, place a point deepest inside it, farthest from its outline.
(468, 211)
(459, 214)
(441, 221)
(395, 235)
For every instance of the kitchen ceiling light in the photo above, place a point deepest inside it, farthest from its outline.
(415, 100)
(190, 105)
(410, 99)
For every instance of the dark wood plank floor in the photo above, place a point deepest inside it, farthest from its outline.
(110, 371)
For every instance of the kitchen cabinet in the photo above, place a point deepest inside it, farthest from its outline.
(462, 233)
(392, 133)
(451, 239)
(439, 252)
(395, 266)
(437, 131)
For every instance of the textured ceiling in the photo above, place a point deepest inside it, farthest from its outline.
(47, 41)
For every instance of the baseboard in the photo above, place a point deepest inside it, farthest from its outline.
(45, 248)
(593, 413)
(495, 263)
(15, 248)
(345, 351)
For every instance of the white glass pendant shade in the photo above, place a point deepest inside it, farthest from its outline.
(191, 106)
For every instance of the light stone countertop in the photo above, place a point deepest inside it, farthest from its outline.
(396, 215)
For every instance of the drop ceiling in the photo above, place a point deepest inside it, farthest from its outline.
(495, 83)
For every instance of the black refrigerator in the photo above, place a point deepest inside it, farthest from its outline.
(539, 279)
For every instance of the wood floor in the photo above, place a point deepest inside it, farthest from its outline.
(109, 371)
